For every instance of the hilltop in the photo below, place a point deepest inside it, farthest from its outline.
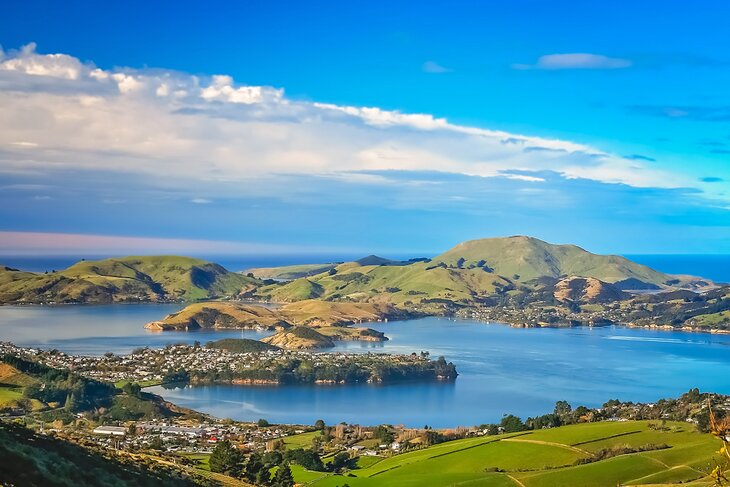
(299, 337)
(304, 324)
(474, 271)
(237, 315)
(522, 259)
(125, 279)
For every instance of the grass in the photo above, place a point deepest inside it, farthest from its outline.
(545, 458)
(149, 277)
(302, 440)
(367, 461)
(290, 271)
(9, 394)
(199, 460)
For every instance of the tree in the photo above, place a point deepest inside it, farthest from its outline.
(563, 409)
(272, 458)
(316, 443)
(132, 389)
(511, 424)
(306, 458)
(226, 459)
(319, 424)
(156, 443)
(263, 477)
(262, 423)
(339, 461)
(253, 467)
(384, 434)
(176, 376)
(283, 476)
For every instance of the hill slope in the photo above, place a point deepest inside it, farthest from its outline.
(483, 272)
(148, 278)
(523, 258)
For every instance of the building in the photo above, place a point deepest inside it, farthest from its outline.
(111, 430)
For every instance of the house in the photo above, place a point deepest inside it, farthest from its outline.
(110, 430)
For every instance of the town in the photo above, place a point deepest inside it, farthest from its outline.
(194, 363)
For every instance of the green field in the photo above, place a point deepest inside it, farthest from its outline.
(546, 458)
(10, 394)
(303, 440)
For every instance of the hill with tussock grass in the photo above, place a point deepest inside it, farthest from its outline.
(476, 271)
(125, 279)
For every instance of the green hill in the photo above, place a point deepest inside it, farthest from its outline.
(30, 459)
(475, 271)
(240, 345)
(299, 337)
(289, 272)
(524, 258)
(147, 278)
(589, 454)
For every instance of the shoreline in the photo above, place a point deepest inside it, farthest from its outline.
(410, 316)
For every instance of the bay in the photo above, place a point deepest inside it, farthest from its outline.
(97, 329)
(502, 370)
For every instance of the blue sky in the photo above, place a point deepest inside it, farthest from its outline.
(338, 127)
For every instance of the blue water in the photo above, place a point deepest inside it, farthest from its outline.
(714, 267)
(503, 369)
(97, 329)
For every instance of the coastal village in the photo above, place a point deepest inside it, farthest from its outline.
(154, 366)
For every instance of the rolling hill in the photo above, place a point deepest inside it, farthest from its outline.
(522, 258)
(586, 454)
(148, 278)
(475, 271)
(331, 321)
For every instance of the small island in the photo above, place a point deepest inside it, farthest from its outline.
(301, 325)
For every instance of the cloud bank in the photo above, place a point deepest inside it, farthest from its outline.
(210, 162)
(62, 114)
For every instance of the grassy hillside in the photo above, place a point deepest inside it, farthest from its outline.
(220, 314)
(398, 285)
(290, 271)
(483, 273)
(147, 278)
(524, 258)
(29, 459)
(299, 337)
(313, 313)
(240, 345)
(591, 454)
(27, 386)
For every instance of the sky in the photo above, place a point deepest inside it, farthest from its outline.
(400, 128)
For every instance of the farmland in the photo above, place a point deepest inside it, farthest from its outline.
(674, 453)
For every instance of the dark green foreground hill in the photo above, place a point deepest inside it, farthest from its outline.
(29, 459)
(126, 279)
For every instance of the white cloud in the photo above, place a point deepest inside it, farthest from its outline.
(222, 89)
(181, 131)
(201, 201)
(576, 61)
(54, 65)
(34, 243)
(434, 68)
